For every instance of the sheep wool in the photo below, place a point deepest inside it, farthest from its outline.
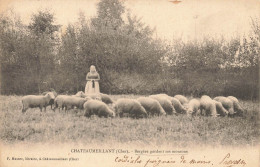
(207, 106)
(237, 107)
(131, 107)
(193, 107)
(33, 101)
(182, 99)
(99, 108)
(227, 104)
(165, 103)
(151, 106)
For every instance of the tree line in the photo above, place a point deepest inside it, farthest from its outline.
(40, 56)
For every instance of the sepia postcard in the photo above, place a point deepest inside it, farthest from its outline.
(129, 83)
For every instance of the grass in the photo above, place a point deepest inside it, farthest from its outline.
(178, 131)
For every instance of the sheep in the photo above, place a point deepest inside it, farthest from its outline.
(193, 107)
(208, 106)
(106, 99)
(33, 101)
(151, 106)
(99, 108)
(220, 109)
(237, 107)
(227, 104)
(179, 108)
(131, 107)
(59, 101)
(101, 96)
(52, 100)
(51, 90)
(65, 101)
(80, 94)
(95, 96)
(165, 103)
(182, 99)
(71, 102)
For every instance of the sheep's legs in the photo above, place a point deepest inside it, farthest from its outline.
(23, 110)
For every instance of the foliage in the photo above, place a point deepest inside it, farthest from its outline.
(128, 58)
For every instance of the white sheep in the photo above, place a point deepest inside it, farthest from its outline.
(208, 106)
(58, 101)
(227, 104)
(33, 101)
(237, 107)
(193, 107)
(151, 106)
(182, 99)
(95, 96)
(220, 109)
(52, 100)
(99, 108)
(131, 107)
(69, 102)
(165, 102)
(80, 94)
(179, 108)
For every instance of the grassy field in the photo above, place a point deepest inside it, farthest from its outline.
(178, 131)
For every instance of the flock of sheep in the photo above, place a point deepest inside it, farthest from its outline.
(154, 105)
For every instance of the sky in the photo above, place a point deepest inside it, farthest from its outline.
(190, 19)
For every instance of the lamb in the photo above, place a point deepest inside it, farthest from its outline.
(151, 106)
(131, 107)
(33, 101)
(165, 103)
(193, 106)
(237, 107)
(99, 108)
(182, 99)
(220, 109)
(208, 106)
(227, 104)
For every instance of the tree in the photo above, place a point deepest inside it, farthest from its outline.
(43, 23)
(109, 14)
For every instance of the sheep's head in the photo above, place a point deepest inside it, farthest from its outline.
(81, 94)
(112, 114)
(50, 95)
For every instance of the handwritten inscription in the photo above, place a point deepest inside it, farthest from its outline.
(129, 159)
(157, 162)
(227, 160)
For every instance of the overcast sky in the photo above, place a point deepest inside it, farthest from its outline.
(189, 19)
